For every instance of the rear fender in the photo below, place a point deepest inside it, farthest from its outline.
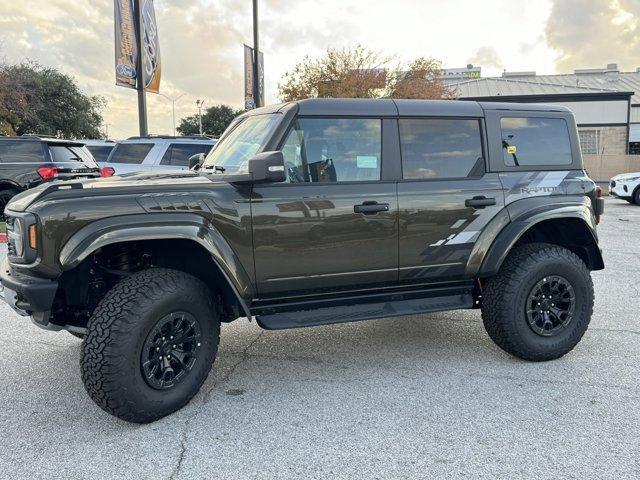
(526, 220)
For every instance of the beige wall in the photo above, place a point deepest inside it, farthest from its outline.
(613, 140)
(602, 167)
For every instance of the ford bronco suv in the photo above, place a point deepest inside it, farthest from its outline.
(310, 213)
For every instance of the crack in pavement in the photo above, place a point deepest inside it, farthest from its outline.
(205, 399)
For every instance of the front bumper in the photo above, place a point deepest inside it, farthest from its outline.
(619, 189)
(27, 295)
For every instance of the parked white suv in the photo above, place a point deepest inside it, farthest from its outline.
(626, 186)
(156, 153)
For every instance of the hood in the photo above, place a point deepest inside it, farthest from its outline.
(625, 176)
(118, 183)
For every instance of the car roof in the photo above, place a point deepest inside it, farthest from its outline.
(387, 107)
(99, 142)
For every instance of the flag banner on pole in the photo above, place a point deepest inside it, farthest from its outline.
(151, 64)
(126, 49)
(249, 102)
(248, 78)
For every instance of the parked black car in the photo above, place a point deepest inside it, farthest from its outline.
(311, 213)
(29, 160)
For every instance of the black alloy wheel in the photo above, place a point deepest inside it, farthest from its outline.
(550, 305)
(170, 350)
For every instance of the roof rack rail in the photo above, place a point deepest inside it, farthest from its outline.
(38, 135)
(190, 137)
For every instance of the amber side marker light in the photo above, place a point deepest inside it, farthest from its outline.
(33, 242)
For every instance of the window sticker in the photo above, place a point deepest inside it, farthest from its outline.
(511, 149)
(367, 161)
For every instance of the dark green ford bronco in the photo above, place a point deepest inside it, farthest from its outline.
(311, 213)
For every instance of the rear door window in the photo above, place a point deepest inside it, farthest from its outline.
(535, 141)
(440, 148)
(178, 154)
(21, 152)
(133, 153)
(99, 152)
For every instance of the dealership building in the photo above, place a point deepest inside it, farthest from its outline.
(605, 102)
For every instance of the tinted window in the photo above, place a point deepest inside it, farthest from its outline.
(333, 150)
(535, 141)
(130, 152)
(100, 152)
(439, 148)
(21, 152)
(70, 153)
(178, 153)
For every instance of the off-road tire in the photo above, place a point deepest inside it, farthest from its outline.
(504, 298)
(116, 332)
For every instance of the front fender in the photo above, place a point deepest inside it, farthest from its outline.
(128, 228)
(525, 215)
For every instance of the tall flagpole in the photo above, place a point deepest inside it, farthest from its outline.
(140, 80)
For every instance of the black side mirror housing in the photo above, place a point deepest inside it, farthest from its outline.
(267, 167)
(196, 161)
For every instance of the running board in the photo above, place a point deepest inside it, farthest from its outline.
(364, 311)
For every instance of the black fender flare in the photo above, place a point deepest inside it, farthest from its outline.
(6, 183)
(184, 226)
(523, 221)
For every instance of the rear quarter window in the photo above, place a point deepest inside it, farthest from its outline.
(21, 152)
(535, 141)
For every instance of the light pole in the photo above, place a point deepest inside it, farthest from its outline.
(256, 57)
(106, 134)
(173, 107)
(199, 104)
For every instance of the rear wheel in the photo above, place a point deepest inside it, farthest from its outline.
(150, 344)
(5, 195)
(540, 303)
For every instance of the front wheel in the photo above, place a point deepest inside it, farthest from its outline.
(150, 344)
(540, 303)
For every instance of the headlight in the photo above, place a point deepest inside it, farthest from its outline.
(15, 237)
(22, 237)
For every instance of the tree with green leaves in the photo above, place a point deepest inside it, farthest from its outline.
(215, 120)
(357, 72)
(42, 100)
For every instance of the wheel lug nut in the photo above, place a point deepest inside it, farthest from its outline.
(171, 338)
(198, 343)
(157, 349)
(174, 346)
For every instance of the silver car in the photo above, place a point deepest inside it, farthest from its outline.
(156, 153)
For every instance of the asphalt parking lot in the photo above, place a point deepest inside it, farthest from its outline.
(415, 397)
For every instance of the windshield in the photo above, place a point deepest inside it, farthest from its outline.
(232, 152)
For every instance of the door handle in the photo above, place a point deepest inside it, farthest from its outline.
(479, 202)
(371, 208)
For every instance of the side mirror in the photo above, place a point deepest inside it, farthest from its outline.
(267, 167)
(196, 161)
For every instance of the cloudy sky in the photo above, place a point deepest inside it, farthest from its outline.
(201, 41)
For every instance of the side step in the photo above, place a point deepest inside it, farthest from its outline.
(364, 311)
